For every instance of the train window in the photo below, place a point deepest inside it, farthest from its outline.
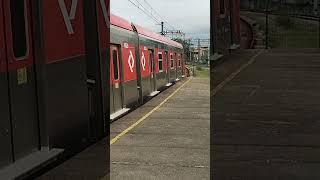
(222, 9)
(115, 65)
(160, 60)
(18, 28)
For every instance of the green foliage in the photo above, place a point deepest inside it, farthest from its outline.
(205, 55)
(186, 47)
(198, 68)
(202, 72)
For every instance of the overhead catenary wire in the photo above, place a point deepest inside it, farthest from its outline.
(141, 7)
(173, 28)
(148, 10)
(144, 11)
(150, 14)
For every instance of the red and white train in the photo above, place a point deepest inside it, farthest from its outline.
(142, 63)
(54, 76)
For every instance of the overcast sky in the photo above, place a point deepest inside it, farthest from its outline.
(189, 16)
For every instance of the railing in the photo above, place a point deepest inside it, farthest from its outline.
(286, 25)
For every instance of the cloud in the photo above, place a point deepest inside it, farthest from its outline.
(189, 16)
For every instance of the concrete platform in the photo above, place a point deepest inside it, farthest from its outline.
(266, 119)
(172, 142)
(91, 164)
(29, 165)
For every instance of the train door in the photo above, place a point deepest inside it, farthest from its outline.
(21, 77)
(152, 71)
(116, 94)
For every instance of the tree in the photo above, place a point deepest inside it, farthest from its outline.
(205, 56)
(186, 47)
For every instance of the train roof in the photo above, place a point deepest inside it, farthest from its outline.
(156, 36)
(120, 22)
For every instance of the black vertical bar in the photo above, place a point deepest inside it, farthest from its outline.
(231, 19)
(212, 28)
(97, 63)
(10, 108)
(40, 74)
(319, 27)
(138, 61)
(212, 51)
(199, 50)
(9, 101)
(162, 32)
(267, 25)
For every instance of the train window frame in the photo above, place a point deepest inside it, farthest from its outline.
(26, 32)
(160, 61)
(171, 61)
(118, 64)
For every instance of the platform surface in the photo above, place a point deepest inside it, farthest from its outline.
(266, 119)
(90, 164)
(24, 167)
(172, 143)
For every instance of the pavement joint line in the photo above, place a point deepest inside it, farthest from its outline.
(234, 74)
(115, 139)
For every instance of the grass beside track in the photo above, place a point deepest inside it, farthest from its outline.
(202, 71)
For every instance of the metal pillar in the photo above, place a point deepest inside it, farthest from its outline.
(267, 24)
(319, 28)
(315, 6)
(212, 28)
(231, 20)
(199, 46)
(162, 31)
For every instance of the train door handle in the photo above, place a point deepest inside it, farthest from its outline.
(116, 85)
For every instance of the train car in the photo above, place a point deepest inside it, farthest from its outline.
(225, 25)
(52, 90)
(142, 63)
